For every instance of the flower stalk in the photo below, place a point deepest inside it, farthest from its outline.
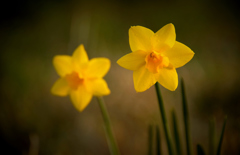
(164, 119)
(109, 133)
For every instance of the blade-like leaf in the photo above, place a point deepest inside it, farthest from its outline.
(186, 119)
(200, 150)
(212, 136)
(176, 134)
(150, 139)
(158, 142)
(221, 137)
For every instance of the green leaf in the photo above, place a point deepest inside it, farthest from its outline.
(186, 118)
(200, 150)
(158, 142)
(150, 139)
(221, 137)
(211, 136)
(176, 133)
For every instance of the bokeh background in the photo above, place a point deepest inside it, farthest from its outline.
(32, 121)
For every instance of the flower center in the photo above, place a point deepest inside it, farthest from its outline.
(73, 80)
(156, 61)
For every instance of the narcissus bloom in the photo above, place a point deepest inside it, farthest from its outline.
(80, 78)
(155, 57)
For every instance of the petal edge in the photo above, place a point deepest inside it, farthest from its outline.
(164, 38)
(62, 64)
(80, 56)
(98, 87)
(60, 87)
(179, 54)
(143, 79)
(140, 38)
(168, 78)
(133, 61)
(97, 67)
(80, 98)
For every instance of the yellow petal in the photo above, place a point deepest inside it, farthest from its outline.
(179, 54)
(60, 87)
(143, 79)
(164, 38)
(140, 38)
(133, 61)
(98, 87)
(63, 64)
(97, 67)
(80, 98)
(80, 56)
(168, 78)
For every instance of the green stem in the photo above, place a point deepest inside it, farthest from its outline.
(110, 138)
(164, 119)
(186, 119)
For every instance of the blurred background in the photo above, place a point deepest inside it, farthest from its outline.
(32, 121)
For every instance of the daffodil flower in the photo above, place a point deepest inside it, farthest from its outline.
(155, 57)
(80, 77)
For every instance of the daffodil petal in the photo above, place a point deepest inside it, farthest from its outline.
(179, 54)
(80, 56)
(133, 61)
(164, 38)
(97, 67)
(143, 79)
(168, 78)
(98, 87)
(60, 87)
(140, 38)
(62, 64)
(80, 98)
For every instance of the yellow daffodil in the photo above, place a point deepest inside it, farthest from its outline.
(80, 77)
(155, 57)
